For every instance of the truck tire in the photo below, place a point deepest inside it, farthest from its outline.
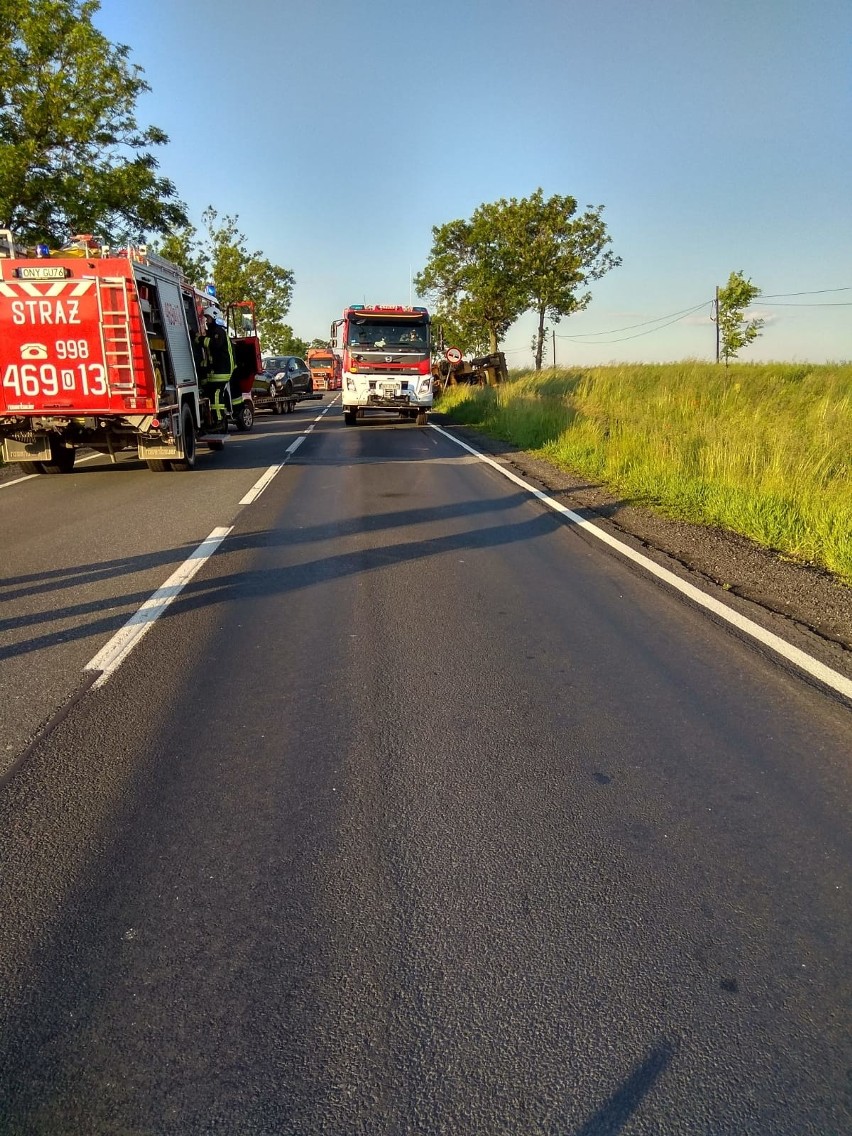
(61, 459)
(244, 416)
(159, 465)
(350, 417)
(215, 444)
(187, 429)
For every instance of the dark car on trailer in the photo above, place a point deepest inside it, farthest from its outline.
(284, 375)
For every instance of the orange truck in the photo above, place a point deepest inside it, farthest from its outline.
(326, 370)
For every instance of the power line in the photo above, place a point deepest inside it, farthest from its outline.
(639, 334)
(818, 292)
(645, 323)
(675, 316)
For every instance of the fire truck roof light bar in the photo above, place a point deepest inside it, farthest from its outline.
(385, 308)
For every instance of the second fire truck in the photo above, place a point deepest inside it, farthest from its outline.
(385, 358)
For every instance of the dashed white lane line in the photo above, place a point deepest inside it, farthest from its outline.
(266, 477)
(261, 484)
(799, 658)
(113, 654)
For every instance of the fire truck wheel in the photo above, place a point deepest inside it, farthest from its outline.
(187, 429)
(215, 444)
(244, 416)
(422, 420)
(157, 465)
(350, 417)
(61, 459)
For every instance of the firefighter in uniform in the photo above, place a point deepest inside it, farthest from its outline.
(219, 361)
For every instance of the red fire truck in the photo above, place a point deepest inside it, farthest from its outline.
(100, 350)
(385, 357)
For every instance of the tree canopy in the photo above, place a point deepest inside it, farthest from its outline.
(558, 253)
(221, 258)
(73, 157)
(449, 329)
(735, 331)
(471, 276)
(511, 257)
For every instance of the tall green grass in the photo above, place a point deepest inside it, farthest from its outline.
(764, 450)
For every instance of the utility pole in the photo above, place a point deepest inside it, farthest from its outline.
(716, 317)
(554, 347)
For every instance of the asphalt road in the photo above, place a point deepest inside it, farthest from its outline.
(418, 811)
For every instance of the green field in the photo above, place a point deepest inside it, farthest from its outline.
(764, 450)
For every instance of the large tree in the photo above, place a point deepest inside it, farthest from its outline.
(238, 274)
(471, 275)
(183, 247)
(222, 259)
(557, 253)
(513, 256)
(449, 329)
(72, 156)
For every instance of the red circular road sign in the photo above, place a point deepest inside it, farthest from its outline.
(453, 355)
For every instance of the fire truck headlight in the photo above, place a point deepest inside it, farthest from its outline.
(350, 384)
(424, 386)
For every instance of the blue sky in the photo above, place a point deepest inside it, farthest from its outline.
(718, 136)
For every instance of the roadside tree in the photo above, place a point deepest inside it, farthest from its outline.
(72, 156)
(221, 258)
(733, 329)
(282, 341)
(557, 254)
(471, 276)
(242, 275)
(514, 256)
(450, 329)
(183, 248)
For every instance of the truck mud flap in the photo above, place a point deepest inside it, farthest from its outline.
(36, 450)
(158, 450)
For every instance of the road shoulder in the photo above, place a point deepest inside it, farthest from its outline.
(815, 604)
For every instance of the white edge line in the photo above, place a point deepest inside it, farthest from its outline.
(800, 658)
(30, 476)
(113, 654)
(18, 480)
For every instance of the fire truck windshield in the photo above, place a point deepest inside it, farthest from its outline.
(383, 335)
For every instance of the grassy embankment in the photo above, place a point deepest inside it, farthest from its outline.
(764, 450)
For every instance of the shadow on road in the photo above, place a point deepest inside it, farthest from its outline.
(287, 578)
(612, 1117)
